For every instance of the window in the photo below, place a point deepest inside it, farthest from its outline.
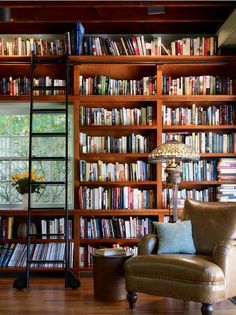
(14, 150)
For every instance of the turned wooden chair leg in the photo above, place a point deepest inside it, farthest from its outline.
(132, 298)
(207, 309)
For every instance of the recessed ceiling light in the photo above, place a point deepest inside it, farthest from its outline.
(5, 14)
(155, 10)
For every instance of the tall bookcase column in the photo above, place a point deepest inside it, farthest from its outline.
(76, 132)
(159, 135)
(76, 168)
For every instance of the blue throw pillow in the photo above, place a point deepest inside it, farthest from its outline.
(175, 238)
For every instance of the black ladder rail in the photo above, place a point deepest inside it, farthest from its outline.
(70, 279)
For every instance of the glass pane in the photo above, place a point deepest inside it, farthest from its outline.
(20, 125)
(20, 146)
(49, 123)
(16, 198)
(5, 123)
(19, 166)
(44, 147)
(4, 170)
(4, 193)
(52, 170)
(4, 147)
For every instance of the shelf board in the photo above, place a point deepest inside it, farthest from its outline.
(191, 184)
(117, 98)
(164, 59)
(40, 98)
(217, 155)
(199, 127)
(33, 240)
(113, 155)
(154, 98)
(109, 240)
(117, 128)
(198, 98)
(119, 183)
(7, 269)
(41, 212)
(123, 212)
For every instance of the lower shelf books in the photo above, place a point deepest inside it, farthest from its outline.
(110, 251)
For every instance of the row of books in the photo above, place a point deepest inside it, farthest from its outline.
(86, 258)
(91, 116)
(103, 85)
(22, 86)
(197, 85)
(20, 46)
(199, 46)
(116, 198)
(205, 142)
(14, 254)
(141, 45)
(100, 171)
(202, 194)
(223, 114)
(132, 227)
(6, 227)
(55, 226)
(134, 143)
(129, 45)
(203, 170)
(44, 82)
(76, 43)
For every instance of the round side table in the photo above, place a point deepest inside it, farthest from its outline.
(109, 277)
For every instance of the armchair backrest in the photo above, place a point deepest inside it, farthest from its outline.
(212, 222)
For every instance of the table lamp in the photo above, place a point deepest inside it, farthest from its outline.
(172, 152)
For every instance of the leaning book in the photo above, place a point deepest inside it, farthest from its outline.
(110, 251)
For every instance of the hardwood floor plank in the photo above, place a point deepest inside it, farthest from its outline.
(47, 296)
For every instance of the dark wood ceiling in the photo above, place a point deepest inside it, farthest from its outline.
(116, 17)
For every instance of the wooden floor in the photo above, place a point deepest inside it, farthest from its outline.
(48, 296)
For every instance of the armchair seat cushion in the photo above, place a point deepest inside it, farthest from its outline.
(176, 275)
(193, 268)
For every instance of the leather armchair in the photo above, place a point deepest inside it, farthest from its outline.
(209, 276)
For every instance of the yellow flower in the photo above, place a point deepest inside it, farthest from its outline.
(21, 182)
(41, 178)
(25, 174)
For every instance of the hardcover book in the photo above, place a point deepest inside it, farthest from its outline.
(110, 251)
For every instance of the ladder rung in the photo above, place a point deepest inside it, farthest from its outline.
(48, 158)
(48, 111)
(48, 134)
(48, 183)
(46, 208)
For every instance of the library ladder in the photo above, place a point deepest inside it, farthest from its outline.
(71, 280)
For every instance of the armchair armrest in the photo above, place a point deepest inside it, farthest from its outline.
(148, 245)
(225, 257)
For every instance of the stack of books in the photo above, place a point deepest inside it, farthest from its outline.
(110, 251)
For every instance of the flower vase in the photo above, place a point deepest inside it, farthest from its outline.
(25, 201)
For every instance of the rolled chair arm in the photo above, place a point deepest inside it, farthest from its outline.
(225, 257)
(148, 245)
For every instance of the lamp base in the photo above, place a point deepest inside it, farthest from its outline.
(171, 219)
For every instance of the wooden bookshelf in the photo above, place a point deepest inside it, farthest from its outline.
(125, 67)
